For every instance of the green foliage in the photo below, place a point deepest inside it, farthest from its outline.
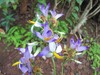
(79, 1)
(62, 27)
(94, 56)
(73, 17)
(18, 36)
(42, 2)
(5, 4)
(7, 21)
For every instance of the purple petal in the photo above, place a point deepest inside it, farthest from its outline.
(47, 34)
(58, 16)
(29, 67)
(55, 37)
(23, 68)
(29, 73)
(78, 42)
(27, 53)
(47, 9)
(81, 48)
(72, 43)
(42, 8)
(44, 52)
(22, 50)
(53, 13)
(23, 60)
(45, 25)
(39, 35)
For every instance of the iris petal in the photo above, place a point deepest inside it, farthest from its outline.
(27, 54)
(44, 9)
(47, 8)
(54, 38)
(22, 50)
(78, 42)
(72, 43)
(81, 48)
(52, 46)
(59, 49)
(47, 34)
(39, 35)
(44, 52)
(53, 13)
(58, 16)
(23, 68)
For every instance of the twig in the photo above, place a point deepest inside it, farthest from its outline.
(56, 3)
(70, 9)
(63, 5)
(97, 10)
(83, 18)
(55, 6)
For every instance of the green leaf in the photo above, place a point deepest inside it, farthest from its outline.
(2, 1)
(75, 15)
(14, 6)
(79, 1)
(42, 2)
(76, 8)
(69, 21)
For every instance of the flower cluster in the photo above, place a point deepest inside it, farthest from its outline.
(52, 48)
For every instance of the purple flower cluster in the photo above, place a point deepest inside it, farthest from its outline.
(47, 35)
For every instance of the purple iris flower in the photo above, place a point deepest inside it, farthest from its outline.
(77, 45)
(44, 9)
(27, 52)
(55, 15)
(47, 34)
(25, 66)
(49, 51)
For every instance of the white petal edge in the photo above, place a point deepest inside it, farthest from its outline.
(37, 52)
(52, 46)
(59, 49)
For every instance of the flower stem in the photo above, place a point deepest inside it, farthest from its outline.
(62, 70)
(54, 65)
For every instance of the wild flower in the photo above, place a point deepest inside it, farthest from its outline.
(44, 11)
(24, 62)
(52, 50)
(47, 34)
(55, 16)
(77, 45)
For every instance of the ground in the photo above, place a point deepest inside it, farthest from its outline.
(9, 55)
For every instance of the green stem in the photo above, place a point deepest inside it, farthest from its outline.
(62, 70)
(54, 65)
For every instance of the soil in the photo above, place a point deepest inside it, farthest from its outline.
(9, 55)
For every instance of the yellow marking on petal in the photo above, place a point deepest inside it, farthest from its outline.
(43, 18)
(58, 40)
(54, 21)
(31, 22)
(57, 55)
(47, 39)
(16, 63)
